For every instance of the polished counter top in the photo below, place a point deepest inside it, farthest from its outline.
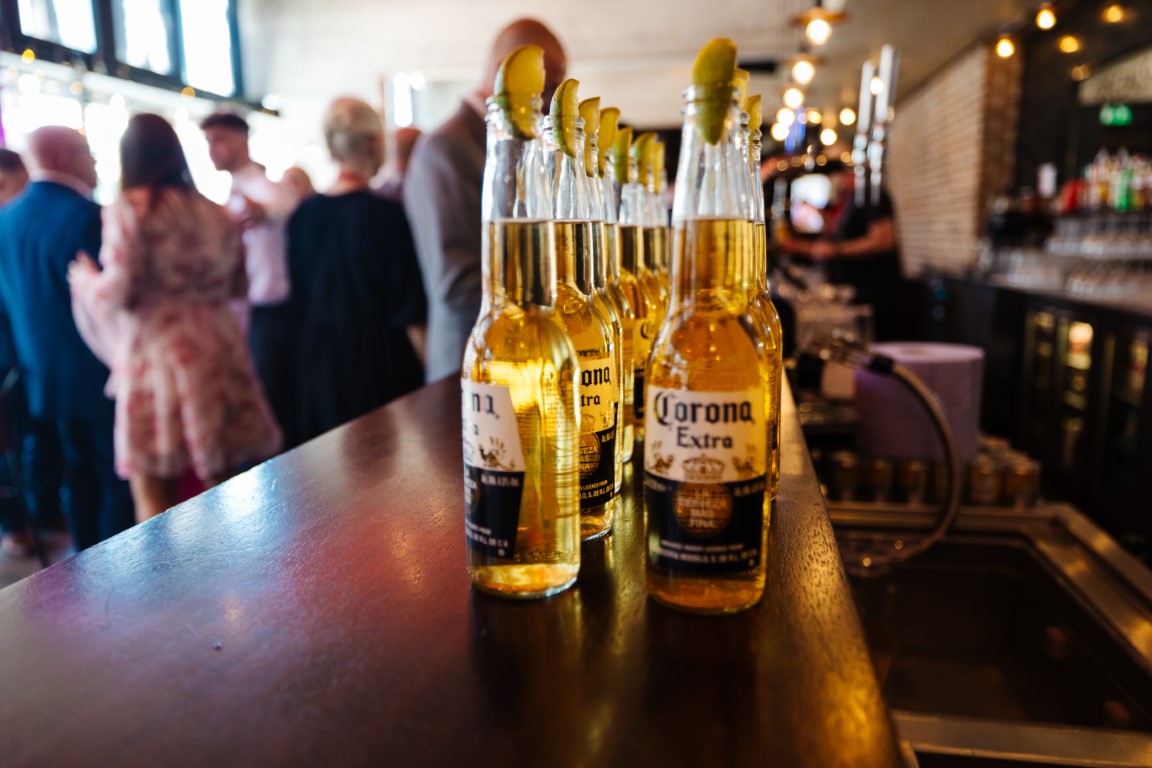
(317, 611)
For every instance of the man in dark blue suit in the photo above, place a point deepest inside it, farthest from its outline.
(40, 234)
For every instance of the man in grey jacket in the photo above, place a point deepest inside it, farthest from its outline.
(442, 200)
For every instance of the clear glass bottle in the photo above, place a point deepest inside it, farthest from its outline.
(644, 307)
(760, 302)
(602, 298)
(644, 202)
(610, 210)
(581, 313)
(519, 385)
(709, 387)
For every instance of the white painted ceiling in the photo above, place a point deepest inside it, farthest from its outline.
(634, 53)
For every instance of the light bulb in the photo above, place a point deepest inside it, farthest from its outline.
(1114, 13)
(818, 31)
(785, 117)
(847, 116)
(1045, 17)
(779, 131)
(815, 117)
(827, 137)
(1004, 47)
(803, 71)
(1069, 44)
(793, 98)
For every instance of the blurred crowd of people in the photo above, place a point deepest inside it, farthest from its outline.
(165, 343)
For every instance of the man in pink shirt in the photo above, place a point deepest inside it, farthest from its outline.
(262, 207)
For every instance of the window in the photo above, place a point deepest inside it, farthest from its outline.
(144, 36)
(65, 22)
(206, 32)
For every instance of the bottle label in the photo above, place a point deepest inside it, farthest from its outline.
(642, 344)
(598, 409)
(638, 396)
(705, 476)
(493, 468)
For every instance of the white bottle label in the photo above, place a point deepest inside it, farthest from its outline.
(491, 436)
(716, 437)
(598, 412)
(493, 468)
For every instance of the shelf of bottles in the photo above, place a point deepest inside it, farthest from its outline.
(1094, 240)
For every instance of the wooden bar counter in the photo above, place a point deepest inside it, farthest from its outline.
(316, 611)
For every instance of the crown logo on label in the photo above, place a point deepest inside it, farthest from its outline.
(702, 469)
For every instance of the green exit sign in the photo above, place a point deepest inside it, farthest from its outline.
(1115, 115)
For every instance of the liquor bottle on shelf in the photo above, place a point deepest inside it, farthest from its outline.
(631, 232)
(597, 278)
(709, 378)
(610, 210)
(581, 312)
(519, 379)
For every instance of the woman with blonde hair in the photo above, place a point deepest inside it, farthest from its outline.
(357, 299)
(158, 314)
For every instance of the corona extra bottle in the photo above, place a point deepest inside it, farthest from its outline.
(597, 279)
(631, 232)
(581, 313)
(519, 379)
(760, 293)
(651, 254)
(610, 210)
(705, 456)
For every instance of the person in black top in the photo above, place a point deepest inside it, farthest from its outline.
(357, 303)
(859, 248)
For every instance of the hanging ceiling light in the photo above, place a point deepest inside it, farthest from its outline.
(793, 98)
(785, 117)
(817, 22)
(1005, 47)
(1045, 17)
(804, 68)
(847, 116)
(779, 131)
(828, 137)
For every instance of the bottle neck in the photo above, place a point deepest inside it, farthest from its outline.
(710, 209)
(519, 262)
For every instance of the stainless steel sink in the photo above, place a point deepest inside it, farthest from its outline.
(1023, 638)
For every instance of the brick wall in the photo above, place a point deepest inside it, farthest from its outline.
(951, 150)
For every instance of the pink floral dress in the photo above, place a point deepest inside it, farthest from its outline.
(158, 315)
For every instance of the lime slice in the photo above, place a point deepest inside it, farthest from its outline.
(658, 158)
(642, 154)
(519, 82)
(609, 124)
(713, 73)
(590, 114)
(565, 110)
(740, 82)
(715, 64)
(755, 113)
(620, 155)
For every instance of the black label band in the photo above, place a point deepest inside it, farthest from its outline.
(492, 509)
(705, 528)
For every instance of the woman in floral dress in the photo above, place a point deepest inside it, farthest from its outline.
(158, 314)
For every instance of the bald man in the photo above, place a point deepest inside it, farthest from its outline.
(442, 200)
(40, 234)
